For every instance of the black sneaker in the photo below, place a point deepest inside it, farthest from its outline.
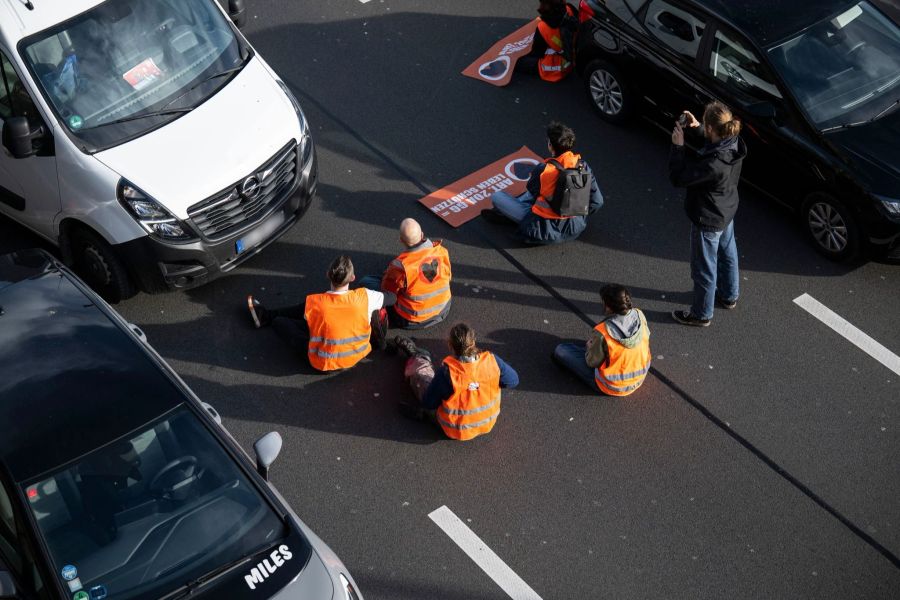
(726, 304)
(492, 215)
(411, 411)
(258, 312)
(405, 345)
(686, 318)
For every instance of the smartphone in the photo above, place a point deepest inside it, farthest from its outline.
(683, 120)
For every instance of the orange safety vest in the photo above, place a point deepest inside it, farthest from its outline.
(552, 66)
(427, 283)
(624, 369)
(474, 406)
(549, 177)
(339, 329)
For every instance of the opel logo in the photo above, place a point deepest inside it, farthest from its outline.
(250, 188)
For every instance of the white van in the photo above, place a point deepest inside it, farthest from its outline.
(147, 139)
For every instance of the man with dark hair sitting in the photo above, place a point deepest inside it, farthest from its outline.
(538, 222)
(336, 328)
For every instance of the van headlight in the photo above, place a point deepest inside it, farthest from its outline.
(348, 589)
(304, 125)
(151, 215)
(891, 205)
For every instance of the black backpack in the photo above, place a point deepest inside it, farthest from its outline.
(572, 196)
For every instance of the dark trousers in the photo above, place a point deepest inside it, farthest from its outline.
(290, 325)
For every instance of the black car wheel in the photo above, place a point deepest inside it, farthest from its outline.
(95, 262)
(608, 91)
(831, 227)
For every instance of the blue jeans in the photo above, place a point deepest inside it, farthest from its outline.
(370, 282)
(514, 208)
(714, 268)
(571, 356)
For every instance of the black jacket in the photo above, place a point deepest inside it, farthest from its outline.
(711, 178)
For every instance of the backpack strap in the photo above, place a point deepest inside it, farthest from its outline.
(556, 164)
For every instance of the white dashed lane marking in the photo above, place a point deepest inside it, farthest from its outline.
(849, 332)
(483, 556)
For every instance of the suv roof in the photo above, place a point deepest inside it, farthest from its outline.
(71, 378)
(770, 21)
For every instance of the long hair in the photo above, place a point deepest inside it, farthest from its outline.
(462, 340)
(719, 118)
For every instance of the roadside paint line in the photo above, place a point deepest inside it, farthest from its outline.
(483, 556)
(846, 330)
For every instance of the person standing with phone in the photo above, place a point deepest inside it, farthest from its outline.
(711, 179)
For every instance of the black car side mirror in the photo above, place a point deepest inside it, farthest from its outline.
(7, 586)
(18, 137)
(237, 13)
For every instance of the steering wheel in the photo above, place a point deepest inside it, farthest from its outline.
(166, 482)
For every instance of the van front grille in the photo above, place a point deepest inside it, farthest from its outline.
(248, 200)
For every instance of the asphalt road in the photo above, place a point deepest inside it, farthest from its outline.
(759, 460)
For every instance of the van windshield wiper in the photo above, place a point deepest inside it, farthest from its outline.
(204, 80)
(156, 113)
(188, 588)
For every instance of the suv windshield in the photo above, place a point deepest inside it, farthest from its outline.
(145, 514)
(845, 70)
(105, 68)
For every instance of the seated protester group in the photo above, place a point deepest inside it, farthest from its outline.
(616, 359)
(564, 182)
(553, 47)
(463, 395)
(420, 277)
(337, 328)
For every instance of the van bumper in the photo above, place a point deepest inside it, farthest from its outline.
(157, 266)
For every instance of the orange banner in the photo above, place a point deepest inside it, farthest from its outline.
(496, 65)
(463, 200)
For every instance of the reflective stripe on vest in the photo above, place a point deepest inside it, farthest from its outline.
(474, 406)
(553, 66)
(339, 327)
(427, 291)
(624, 369)
(549, 177)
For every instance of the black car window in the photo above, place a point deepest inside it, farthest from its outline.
(734, 63)
(14, 98)
(15, 551)
(676, 28)
(8, 532)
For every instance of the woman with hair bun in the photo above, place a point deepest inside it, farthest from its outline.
(616, 359)
(711, 180)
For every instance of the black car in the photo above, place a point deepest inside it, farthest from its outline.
(816, 84)
(115, 480)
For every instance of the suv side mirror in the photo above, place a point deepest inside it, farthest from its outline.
(17, 137)
(7, 585)
(267, 448)
(237, 13)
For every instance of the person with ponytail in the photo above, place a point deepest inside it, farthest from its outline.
(711, 179)
(616, 358)
(463, 395)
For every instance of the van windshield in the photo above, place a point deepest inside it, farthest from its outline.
(845, 70)
(128, 66)
(149, 512)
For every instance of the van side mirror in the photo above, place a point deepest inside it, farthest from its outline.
(267, 449)
(17, 137)
(237, 13)
(7, 585)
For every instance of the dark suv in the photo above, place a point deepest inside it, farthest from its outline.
(816, 84)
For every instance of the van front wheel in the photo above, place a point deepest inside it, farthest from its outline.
(95, 262)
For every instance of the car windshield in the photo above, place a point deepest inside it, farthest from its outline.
(147, 513)
(105, 68)
(845, 70)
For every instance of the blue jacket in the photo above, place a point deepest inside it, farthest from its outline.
(538, 230)
(441, 387)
